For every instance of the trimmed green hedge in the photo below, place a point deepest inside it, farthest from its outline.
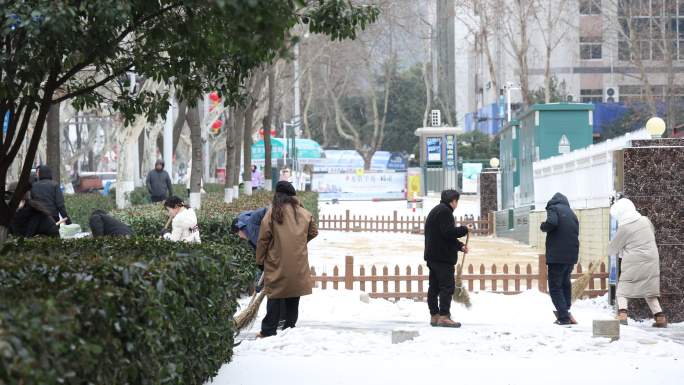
(215, 216)
(118, 311)
(81, 206)
(140, 196)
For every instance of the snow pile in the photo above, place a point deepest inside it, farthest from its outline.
(504, 339)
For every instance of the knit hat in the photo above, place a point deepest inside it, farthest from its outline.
(286, 188)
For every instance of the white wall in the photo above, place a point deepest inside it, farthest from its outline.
(585, 176)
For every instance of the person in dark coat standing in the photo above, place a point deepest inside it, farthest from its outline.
(102, 224)
(441, 253)
(49, 195)
(562, 249)
(159, 183)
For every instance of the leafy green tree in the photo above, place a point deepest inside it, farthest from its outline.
(406, 108)
(54, 51)
(559, 92)
(475, 146)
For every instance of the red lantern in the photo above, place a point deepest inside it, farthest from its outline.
(214, 96)
(216, 126)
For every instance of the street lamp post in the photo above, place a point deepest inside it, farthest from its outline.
(509, 86)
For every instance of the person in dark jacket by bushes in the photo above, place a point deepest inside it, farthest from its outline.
(159, 183)
(47, 192)
(102, 224)
(441, 253)
(562, 249)
(32, 218)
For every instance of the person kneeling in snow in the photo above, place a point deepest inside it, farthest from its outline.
(441, 253)
(285, 232)
(184, 224)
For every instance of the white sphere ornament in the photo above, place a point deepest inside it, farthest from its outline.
(494, 162)
(655, 127)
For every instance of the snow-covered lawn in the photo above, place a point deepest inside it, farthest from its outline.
(467, 205)
(504, 340)
(390, 249)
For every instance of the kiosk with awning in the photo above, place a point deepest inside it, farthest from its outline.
(307, 151)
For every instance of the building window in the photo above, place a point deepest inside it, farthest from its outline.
(591, 95)
(590, 7)
(590, 48)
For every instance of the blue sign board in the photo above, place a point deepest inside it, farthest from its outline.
(451, 151)
(434, 149)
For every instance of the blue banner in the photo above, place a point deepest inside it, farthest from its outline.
(5, 123)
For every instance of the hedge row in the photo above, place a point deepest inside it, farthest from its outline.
(81, 206)
(215, 216)
(126, 311)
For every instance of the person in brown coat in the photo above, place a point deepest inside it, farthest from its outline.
(282, 249)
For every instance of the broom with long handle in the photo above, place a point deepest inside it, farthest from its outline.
(247, 316)
(461, 293)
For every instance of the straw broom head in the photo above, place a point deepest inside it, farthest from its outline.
(461, 293)
(247, 316)
(581, 283)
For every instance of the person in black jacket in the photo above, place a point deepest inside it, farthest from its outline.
(49, 195)
(562, 248)
(441, 253)
(102, 224)
(32, 219)
(159, 183)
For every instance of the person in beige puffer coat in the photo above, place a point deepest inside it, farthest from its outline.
(635, 244)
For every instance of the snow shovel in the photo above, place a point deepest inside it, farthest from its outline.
(461, 293)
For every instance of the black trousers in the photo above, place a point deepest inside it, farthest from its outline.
(156, 199)
(442, 284)
(274, 308)
(560, 288)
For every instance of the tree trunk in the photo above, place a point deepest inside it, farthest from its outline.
(3, 234)
(367, 159)
(193, 119)
(237, 144)
(177, 127)
(547, 77)
(428, 95)
(141, 157)
(54, 154)
(307, 104)
(268, 122)
(230, 157)
(247, 149)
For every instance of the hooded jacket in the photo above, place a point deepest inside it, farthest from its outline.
(159, 183)
(441, 235)
(635, 244)
(48, 194)
(250, 222)
(562, 231)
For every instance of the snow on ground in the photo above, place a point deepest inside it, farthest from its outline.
(504, 340)
(390, 249)
(468, 205)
